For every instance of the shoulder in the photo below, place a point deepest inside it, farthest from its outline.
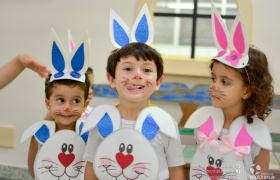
(257, 130)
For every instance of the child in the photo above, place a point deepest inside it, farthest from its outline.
(232, 138)
(90, 76)
(13, 68)
(135, 71)
(66, 99)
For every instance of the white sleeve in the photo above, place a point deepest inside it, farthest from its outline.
(92, 143)
(174, 152)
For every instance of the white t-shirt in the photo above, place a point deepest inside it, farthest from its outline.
(168, 150)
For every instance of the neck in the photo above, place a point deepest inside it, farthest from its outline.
(230, 115)
(59, 127)
(130, 111)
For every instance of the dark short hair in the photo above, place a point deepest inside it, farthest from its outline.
(68, 82)
(138, 50)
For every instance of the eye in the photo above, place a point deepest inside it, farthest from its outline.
(211, 160)
(70, 148)
(60, 100)
(64, 147)
(127, 69)
(76, 101)
(225, 82)
(129, 148)
(218, 162)
(213, 79)
(147, 70)
(121, 147)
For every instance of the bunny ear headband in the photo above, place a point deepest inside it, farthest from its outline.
(142, 30)
(72, 67)
(233, 48)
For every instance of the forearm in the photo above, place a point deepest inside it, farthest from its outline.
(176, 173)
(10, 71)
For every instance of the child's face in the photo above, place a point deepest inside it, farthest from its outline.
(135, 81)
(66, 105)
(227, 88)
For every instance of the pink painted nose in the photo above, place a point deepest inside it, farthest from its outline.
(214, 87)
(137, 76)
(67, 109)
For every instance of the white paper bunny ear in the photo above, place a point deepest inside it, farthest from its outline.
(232, 48)
(42, 130)
(70, 42)
(73, 68)
(142, 30)
(257, 130)
(106, 118)
(204, 114)
(153, 119)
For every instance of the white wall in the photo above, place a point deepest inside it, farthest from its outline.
(25, 27)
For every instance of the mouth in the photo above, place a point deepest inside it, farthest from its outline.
(66, 116)
(134, 87)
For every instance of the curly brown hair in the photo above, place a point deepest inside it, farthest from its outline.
(257, 77)
(138, 50)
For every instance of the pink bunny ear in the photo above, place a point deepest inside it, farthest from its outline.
(71, 42)
(220, 32)
(233, 49)
(239, 41)
(207, 127)
(243, 138)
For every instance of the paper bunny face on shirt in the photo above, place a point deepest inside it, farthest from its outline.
(124, 152)
(218, 157)
(61, 154)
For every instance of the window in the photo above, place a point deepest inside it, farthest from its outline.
(183, 32)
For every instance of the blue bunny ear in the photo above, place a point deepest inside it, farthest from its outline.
(119, 31)
(42, 130)
(143, 29)
(80, 58)
(150, 127)
(105, 125)
(58, 57)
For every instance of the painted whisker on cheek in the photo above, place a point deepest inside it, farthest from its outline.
(125, 81)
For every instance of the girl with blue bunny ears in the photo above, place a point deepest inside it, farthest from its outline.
(133, 140)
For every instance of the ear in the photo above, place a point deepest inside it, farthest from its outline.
(119, 31)
(143, 29)
(47, 103)
(158, 83)
(247, 95)
(111, 80)
(86, 104)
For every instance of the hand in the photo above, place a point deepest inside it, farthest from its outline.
(32, 63)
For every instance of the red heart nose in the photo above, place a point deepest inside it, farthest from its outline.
(124, 160)
(66, 159)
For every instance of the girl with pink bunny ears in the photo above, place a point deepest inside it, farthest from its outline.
(233, 141)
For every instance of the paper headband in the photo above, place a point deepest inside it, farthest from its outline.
(72, 67)
(233, 48)
(142, 30)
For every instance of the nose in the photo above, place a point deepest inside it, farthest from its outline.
(214, 87)
(67, 109)
(137, 76)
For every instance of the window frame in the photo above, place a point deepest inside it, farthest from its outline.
(195, 66)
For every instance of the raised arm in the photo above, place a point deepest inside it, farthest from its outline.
(10, 70)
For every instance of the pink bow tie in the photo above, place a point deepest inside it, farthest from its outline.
(239, 150)
(212, 139)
